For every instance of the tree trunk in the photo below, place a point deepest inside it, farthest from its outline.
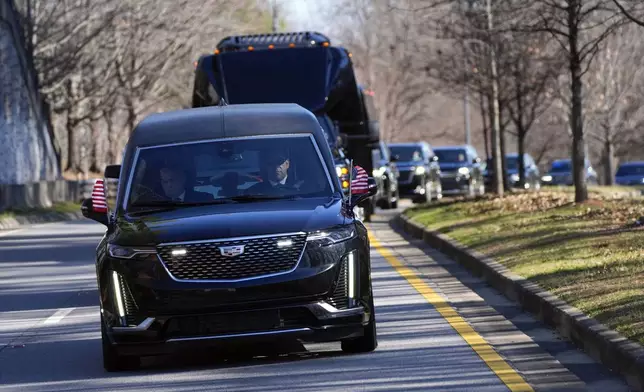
(495, 112)
(521, 129)
(131, 115)
(521, 150)
(576, 118)
(486, 137)
(95, 166)
(72, 158)
(504, 165)
(111, 139)
(609, 164)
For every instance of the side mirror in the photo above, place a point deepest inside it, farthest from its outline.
(434, 158)
(113, 171)
(362, 186)
(95, 208)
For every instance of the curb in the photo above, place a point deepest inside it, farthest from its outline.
(601, 343)
(18, 221)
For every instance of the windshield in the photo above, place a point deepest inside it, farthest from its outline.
(560, 166)
(512, 163)
(630, 170)
(450, 156)
(277, 76)
(229, 170)
(407, 153)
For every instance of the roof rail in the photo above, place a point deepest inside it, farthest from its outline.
(273, 40)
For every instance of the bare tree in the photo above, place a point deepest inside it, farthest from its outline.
(614, 99)
(632, 9)
(580, 27)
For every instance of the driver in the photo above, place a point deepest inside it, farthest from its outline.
(276, 167)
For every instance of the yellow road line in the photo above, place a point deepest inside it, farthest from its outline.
(505, 372)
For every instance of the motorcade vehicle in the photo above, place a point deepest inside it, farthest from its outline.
(560, 173)
(420, 175)
(386, 175)
(531, 172)
(230, 226)
(630, 174)
(461, 171)
(295, 67)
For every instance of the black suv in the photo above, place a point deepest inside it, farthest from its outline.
(461, 171)
(531, 172)
(385, 172)
(230, 225)
(419, 171)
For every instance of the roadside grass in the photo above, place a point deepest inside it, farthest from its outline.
(57, 207)
(591, 254)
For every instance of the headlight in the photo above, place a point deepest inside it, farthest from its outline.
(379, 172)
(341, 171)
(123, 252)
(546, 178)
(420, 170)
(463, 171)
(331, 236)
(514, 177)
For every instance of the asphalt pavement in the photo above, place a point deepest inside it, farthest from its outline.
(439, 329)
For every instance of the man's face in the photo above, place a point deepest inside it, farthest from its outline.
(173, 182)
(278, 170)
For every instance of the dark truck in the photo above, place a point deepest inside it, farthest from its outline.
(301, 68)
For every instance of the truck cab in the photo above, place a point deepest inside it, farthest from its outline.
(294, 67)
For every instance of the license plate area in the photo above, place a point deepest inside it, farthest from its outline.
(235, 322)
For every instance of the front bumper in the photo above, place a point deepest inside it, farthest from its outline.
(454, 185)
(411, 184)
(311, 322)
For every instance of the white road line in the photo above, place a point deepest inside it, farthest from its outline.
(4, 233)
(59, 315)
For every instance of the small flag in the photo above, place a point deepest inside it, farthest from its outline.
(359, 180)
(99, 201)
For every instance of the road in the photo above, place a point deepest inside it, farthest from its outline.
(439, 329)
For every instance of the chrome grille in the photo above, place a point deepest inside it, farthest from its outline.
(406, 175)
(261, 256)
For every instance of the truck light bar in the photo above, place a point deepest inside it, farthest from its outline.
(272, 41)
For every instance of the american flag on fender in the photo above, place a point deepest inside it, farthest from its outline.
(99, 201)
(359, 183)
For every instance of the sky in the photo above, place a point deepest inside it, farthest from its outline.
(301, 13)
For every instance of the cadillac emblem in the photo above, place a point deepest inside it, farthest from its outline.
(231, 251)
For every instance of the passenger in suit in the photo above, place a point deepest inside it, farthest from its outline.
(174, 185)
(275, 175)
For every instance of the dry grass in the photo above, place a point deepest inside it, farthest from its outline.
(590, 254)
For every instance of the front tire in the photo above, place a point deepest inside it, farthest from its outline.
(112, 362)
(367, 342)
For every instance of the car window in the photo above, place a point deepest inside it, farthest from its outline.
(560, 166)
(407, 153)
(275, 166)
(451, 156)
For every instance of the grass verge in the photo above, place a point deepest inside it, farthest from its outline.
(58, 207)
(591, 254)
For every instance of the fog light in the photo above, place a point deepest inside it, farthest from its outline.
(117, 294)
(351, 260)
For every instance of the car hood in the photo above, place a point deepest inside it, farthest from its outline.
(452, 166)
(228, 221)
(408, 164)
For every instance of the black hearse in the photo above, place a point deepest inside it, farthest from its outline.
(230, 225)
